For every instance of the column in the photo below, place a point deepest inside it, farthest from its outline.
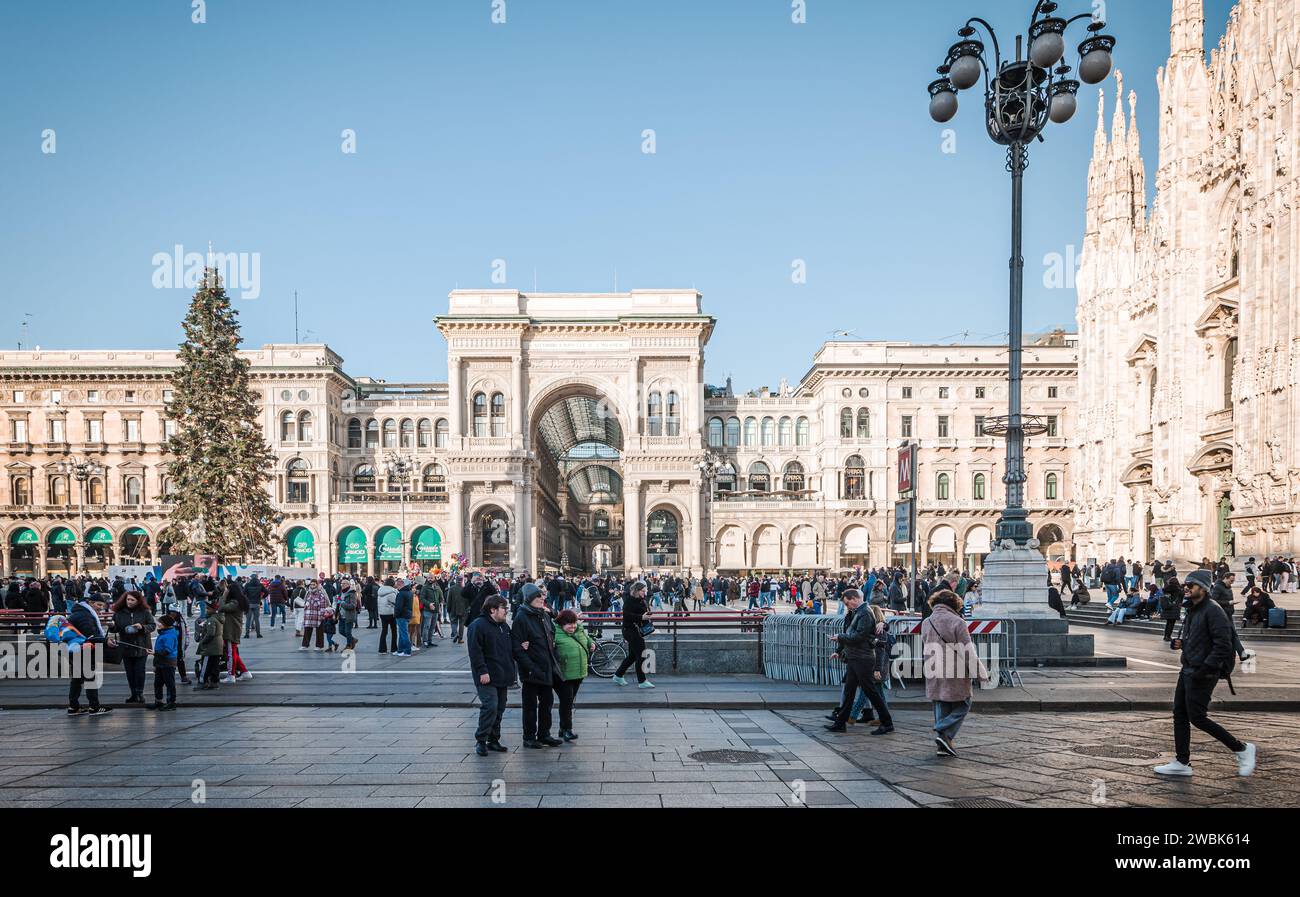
(631, 526)
(517, 400)
(633, 402)
(7, 566)
(517, 535)
(456, 519)
(525, 534)
(40, 560)
(698, 547)
(455, 398)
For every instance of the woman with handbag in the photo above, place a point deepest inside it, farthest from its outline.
(634, 632)
(133, 625)
(950, 665)
(573, 648)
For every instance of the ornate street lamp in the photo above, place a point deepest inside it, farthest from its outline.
(400, 466)
(81, 469)
(1021, 97)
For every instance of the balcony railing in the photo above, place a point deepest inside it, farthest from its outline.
(391, 497)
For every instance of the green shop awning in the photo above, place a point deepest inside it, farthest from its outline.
(428, 545)
(99, 536)
(136, 531)
(62, 536)
(302, 545)
(388, 545)
(24, 537)
(352, 546)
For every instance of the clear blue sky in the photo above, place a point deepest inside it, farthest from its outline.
(522, 142)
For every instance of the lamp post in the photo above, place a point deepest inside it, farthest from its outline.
(81, 469)
(709, 466)
(1021, 96)
(400, 466)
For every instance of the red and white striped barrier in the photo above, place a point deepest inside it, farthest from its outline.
(976, 627)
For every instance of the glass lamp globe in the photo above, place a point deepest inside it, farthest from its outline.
(1047, 48)
(943, 106)
(965, 72)
(1062, 108)
(1094, 67)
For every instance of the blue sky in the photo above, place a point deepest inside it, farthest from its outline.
(522, 142)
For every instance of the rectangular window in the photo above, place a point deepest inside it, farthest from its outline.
(19, 396)
(168, 395)
(907, 392)
(1051, 425)
(298, 492)
(130, 395)
(1051, 392)
(907, 425)
(979, 425)
(92, 395)
(56, 430)
(20, 430)
(132, 430)
(943, 426)
(94, 430)
(169, 429)
(56, 396)
(979, 392)
(943, 392)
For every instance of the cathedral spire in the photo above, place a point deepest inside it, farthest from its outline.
(1187, 30)
(1118, 134)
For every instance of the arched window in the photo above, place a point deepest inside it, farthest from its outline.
(434, 480)
(769, 431)
(498, 414)
(298, 482)
(751, 431)
(661, 539)
(95, 491)
(1049, 487)
(390, 433)
(354, 433)
(674, 418)
(1229, 370)
(725, 481)
(801, 432)
(442, 433)
(287, 429)
(22, 491)
(977, 487)
(600, 521)
(58, 491)
(793, 477)
(305, 429)
(785, 431)
(941, 487)
(480, 414)
(372, 434)
(846, 423)
(733, 432)
(363, 478)
(855, 475)
(864, 423)
(133, 491)
(424, 433)
(654, 414)
(715, 432)
(760, 478)
(406, 433)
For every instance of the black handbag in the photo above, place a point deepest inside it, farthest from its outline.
(647, 628)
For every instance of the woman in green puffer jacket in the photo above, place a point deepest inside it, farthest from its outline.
(573, 647)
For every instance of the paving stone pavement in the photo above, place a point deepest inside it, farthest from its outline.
(1030, 759)
(417, 757)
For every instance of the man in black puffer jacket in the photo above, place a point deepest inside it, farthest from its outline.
(533, 634)
(857, 648)
(1206, 644)
(491, 658)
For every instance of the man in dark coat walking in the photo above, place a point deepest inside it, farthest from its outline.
(491, 658)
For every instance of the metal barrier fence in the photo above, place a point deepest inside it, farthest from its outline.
(797, 648)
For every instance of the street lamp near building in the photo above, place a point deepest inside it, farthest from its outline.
(400, 466)
(81, 469)
(1021, 97)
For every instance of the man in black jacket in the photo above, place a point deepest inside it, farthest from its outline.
(533, 634)
(1206, 643)
(84, 617)
(857, 648)
(491, 658)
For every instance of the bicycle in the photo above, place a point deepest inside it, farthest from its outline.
(607, 656)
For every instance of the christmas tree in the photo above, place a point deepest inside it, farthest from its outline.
(219, 462)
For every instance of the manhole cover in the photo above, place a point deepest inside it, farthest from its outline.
(730, 757)
(977, 803)
(1115, 752)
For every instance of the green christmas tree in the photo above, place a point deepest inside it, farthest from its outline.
(220, 462)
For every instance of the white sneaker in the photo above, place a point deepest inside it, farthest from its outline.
(303, 648)
(245, 676)
(619, 680)
(1174, 768)
(415, 650)
(228, 680)
(646, 684)
(1246, 760)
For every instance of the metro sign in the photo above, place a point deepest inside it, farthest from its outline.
(906, 467)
